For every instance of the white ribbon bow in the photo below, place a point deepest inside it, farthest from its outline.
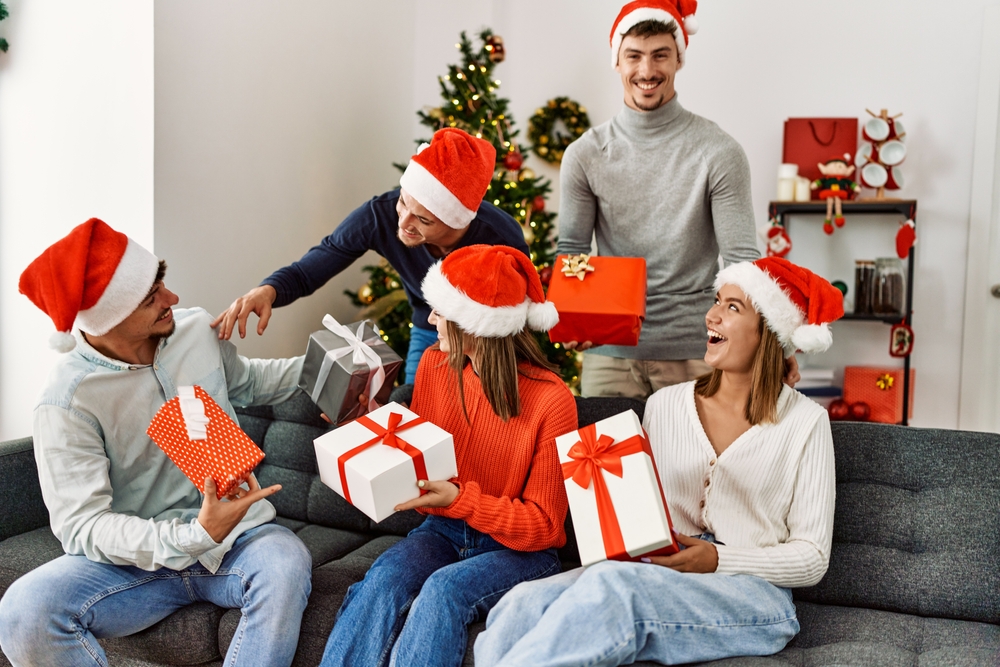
(361, 353)
(193, 413)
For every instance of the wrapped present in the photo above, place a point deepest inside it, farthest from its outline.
(615, 496)
(203, 441)
(600, 299)
(881, 389)
(343, 362)
(374, 462)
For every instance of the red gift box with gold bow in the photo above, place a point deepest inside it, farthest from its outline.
(375, 461)
(615, 496)
(600, 299)
(881, 389)
(203, 441)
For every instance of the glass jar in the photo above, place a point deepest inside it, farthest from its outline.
(889, 286)
(864, 286)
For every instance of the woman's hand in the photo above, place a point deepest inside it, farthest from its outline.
(696, 556)
(792, 375)
(439, 494)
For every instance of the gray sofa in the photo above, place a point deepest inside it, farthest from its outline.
(914, 578)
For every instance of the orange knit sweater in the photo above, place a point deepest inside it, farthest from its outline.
(510, 481)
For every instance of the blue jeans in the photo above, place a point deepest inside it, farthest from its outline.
(417, 599)
(55, 614)
(614, 613)
(420, 340)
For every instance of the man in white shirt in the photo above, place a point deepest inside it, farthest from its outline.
(141, 541)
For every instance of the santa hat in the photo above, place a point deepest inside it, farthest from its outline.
(95, 276)
(678, 12)
(797, 305)
(489, 291)
(449, 176)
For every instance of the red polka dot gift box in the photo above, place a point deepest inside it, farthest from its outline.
(203, 441)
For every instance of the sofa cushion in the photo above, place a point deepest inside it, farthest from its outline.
(22, 553)
(914, 511)
(189, 636)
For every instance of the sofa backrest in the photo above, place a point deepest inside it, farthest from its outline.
(917, 525)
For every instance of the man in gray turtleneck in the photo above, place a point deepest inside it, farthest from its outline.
(659, 182)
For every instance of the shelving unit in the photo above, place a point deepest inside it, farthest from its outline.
(907, 209)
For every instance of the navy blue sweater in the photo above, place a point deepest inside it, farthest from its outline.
(372, 226)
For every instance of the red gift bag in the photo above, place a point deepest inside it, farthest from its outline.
(809, 141)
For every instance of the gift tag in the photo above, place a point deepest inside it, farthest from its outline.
(901, 340)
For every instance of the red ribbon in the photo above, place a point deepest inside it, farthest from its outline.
(386, 436)
(592, 455)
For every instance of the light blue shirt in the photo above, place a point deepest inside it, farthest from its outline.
(112, 494)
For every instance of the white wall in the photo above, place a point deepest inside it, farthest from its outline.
(751, 66)
(76, 131)
(272, 124)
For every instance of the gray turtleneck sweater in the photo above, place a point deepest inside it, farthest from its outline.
(671, 187)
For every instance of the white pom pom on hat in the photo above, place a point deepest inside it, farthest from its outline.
(62, 342)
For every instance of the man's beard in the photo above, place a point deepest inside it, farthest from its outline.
(167, 334)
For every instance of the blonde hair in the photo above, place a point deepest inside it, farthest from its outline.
(767, 374)
(497, 360)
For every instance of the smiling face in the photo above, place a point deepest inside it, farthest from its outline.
(733, 331)
(153, 319)
(647, 66)
(418, 226)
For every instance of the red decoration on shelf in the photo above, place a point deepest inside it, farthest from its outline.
(906, 237)
(901, 340)
(839, 410)
(860, 411)
(513, 160)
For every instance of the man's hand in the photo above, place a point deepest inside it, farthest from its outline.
(578, 346)
(696, 556)
(257, 301)
(218, 517)
(792, 375)
(439, 494)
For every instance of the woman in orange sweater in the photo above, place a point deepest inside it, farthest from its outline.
(499, 522)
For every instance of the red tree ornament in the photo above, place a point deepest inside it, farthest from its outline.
(538, 204)
(839, 410)
(545, 275)
(860, 411)
(513, 160)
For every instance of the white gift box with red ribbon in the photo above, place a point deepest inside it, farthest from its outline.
(614, 491)
(375, 461)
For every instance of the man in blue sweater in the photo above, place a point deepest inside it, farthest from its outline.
(437, 208)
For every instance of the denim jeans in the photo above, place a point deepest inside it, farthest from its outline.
(416, 601)
(420, 340)
(614, 613)
(54, 614)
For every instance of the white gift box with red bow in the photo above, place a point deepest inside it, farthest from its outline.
(615, 497)
(375, 461)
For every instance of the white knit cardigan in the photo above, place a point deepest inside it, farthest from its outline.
(768, 498)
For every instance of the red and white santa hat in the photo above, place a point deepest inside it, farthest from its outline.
(678, 12)
(450, 175)
(797, 305)
(94, 276)
(489, 291)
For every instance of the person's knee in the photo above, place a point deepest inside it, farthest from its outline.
(288, 571)
(24, 609)
(442, 596)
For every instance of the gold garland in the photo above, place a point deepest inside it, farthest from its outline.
(548, 143)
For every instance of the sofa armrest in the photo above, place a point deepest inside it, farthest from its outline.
(21, 505)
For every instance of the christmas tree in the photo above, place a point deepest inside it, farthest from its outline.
(471, 103)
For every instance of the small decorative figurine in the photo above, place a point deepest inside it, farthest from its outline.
(835, 186)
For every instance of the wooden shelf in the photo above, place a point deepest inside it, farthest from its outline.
(862, 317)
(904, 207)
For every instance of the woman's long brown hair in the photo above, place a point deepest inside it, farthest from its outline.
(497, 360)
(767, 374)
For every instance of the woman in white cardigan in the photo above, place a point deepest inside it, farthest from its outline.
(747, 468)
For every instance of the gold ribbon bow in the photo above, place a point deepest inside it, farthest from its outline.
(884, 382)
(577, 266)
